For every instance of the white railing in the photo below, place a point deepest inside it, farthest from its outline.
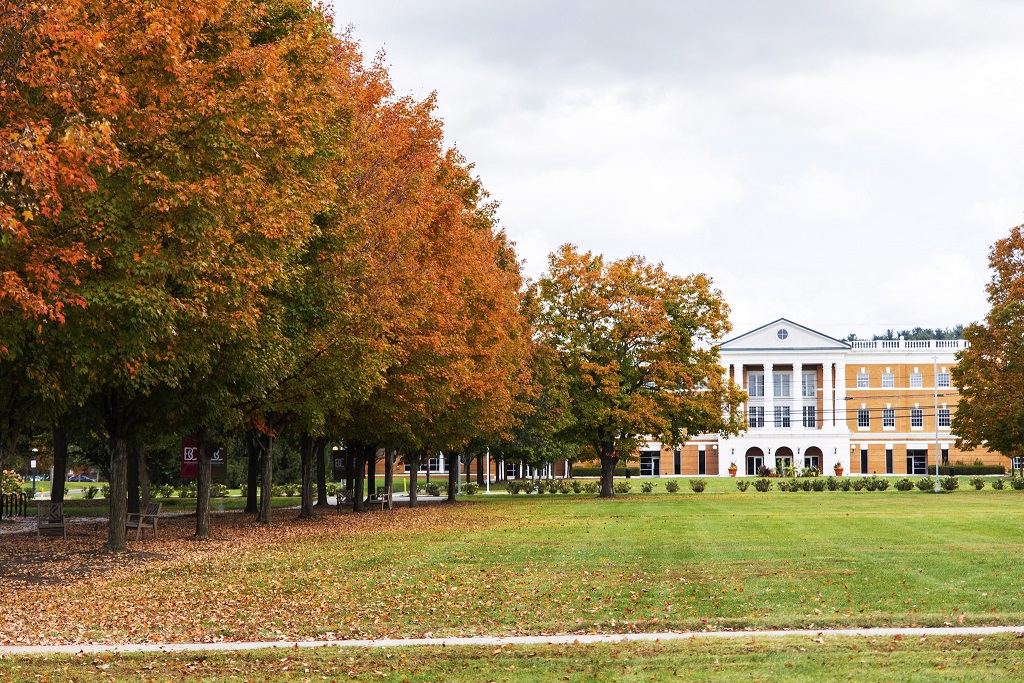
(890, 344)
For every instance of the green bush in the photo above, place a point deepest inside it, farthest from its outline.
(623, 487)
(859, 483)
(542, 486)
(832, 483)
(671, 485)
(91, 492)
(596, 471)
(1017, 483)
(647, 486)
(977, 482)
(333, 489)
(924, 484)
(698, 485)
(845, 484)
(742, 485)
(470, 489)
(577, 486)
(105, 491)
(187, 490)
(904, 484)
(818, 484)
(883, 484)
(292, 490)
(591, 487)
(11, 482)
(998, 484)
(433, 489)
(763, 484)
(871, 483)
(949, 483)
(219, 490)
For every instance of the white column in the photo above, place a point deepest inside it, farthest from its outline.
(796, 418)
(769, 397)
(827, 416)
(841, 395)
(737, 377)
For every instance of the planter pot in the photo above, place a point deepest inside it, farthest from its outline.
(732, 472)
(839, 471)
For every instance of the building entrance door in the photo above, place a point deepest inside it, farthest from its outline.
(755, 460)
(650, 463)
(917, 461)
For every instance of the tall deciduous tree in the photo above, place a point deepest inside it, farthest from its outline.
(990, 371)
(638, 356)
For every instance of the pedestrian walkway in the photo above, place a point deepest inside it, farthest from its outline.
(581, 639)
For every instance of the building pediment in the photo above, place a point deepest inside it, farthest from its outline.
(784, 335)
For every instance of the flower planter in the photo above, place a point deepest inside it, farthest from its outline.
(732, 471)
(839, 471)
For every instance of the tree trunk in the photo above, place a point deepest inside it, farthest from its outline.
(480, 469)
(60, 463)
(307, 445)
(133, 479)
(414, 458)
(389, 472)
(608, 462)
(117, 432)
(360, 472)
(204, 475)
(371, 472)
(252, 446)
(453, 477)
(319, 452)
(266, 478)
(349, 467)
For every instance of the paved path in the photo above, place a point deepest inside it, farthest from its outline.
(510, 640)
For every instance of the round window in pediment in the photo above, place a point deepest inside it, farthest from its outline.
(782, 334)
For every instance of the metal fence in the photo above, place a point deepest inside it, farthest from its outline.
(13, 505)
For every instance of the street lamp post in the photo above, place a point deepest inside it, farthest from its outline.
(935, 375)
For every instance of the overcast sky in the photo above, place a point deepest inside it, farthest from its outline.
(846, 165)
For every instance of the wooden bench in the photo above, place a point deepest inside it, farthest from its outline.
(384, 496)
(345, 497)
(140, 521)
(50, 517)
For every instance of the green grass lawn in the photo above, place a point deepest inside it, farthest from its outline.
(791, 659)
(552, 563)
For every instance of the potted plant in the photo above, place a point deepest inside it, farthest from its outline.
(839, 469)
(733, 469)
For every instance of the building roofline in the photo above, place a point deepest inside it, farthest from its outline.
(788, 322)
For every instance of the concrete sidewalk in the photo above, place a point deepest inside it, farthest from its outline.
(28, 650)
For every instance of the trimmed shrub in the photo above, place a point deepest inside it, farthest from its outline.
(623, 487)
(742, 485)
(698, 485)
(596, 471)
(333, 489)
(845, 483)
(218, 490)
(949, 483)
(433, 489)
(818, 484)
(11, 482)
(91, 492)
(577, 486)
(904, 484)
(924, 484)
(542, 486)
(763, 484)
(859, 483)
(871, 483)
(832, 484)
(671, 485)
(998, 484)
(977, 482)
(591, 487)
(883, 484)
(187, 490)
(564, 487)
(647, 486)
(470, 489)
(1017, 483)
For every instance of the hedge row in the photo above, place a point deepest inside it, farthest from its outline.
(967, 470)
(596, 471)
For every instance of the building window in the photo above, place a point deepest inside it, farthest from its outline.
(781, 381)
(702, 462)
(810, 417)
(1017, 462)
(916, 417)
(863, 417)
(862, 380)
(943, 380)
(755, 384)
(782, 334)
(888, 461)
(944, 417)
(888, 417)
(755, 417)
(782, 416)
(809, 385)
(863, 460)
(888, 380)
(916, 380)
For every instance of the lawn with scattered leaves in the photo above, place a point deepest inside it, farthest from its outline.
(992, 658)
(533, 565)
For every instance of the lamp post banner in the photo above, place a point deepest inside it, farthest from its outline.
(190, 459)
(338, 460)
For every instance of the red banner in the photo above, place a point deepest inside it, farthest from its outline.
(190, 460)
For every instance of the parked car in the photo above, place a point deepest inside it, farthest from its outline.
(80, 477)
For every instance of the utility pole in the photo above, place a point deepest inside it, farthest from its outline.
(935, 374)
